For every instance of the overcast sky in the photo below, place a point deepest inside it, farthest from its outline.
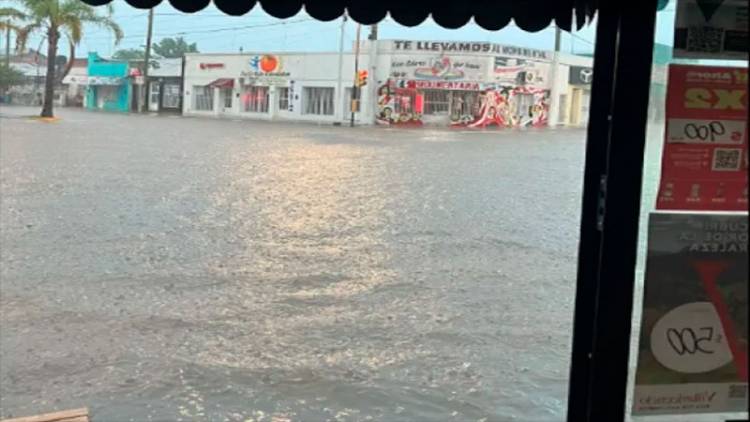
(258, 32)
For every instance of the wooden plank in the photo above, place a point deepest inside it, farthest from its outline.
(73, 415)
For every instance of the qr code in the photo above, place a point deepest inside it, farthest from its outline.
(705, 39)
(726, 159)
(738, 391)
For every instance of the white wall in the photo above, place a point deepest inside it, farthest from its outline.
(305, 69)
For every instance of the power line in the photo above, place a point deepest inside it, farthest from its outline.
(214, 30)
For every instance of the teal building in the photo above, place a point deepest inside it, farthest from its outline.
(109, 87)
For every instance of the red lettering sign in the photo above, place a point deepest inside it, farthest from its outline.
(705, 160)
(211, 65)
(452, 85)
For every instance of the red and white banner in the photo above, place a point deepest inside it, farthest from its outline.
(705, 160)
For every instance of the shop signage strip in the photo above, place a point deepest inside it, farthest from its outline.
(705, 159)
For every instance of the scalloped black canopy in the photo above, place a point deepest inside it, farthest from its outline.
(530, 15)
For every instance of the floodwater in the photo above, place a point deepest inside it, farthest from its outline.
(167, 268)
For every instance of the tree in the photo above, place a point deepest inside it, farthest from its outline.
(54, 18)
(174, 48)
(7, 24)
(9, 77)
(129, 54)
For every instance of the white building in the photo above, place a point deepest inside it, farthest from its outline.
(475, 84)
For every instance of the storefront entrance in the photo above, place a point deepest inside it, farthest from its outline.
(225, 100)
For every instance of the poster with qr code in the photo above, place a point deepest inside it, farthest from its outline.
(711, 29)
(692, 351)
(705, 159)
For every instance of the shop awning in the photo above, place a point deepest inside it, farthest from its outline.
(104, 80)
(530, 15)
(222, 83)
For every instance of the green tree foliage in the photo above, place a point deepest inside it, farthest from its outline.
(174, 47)
(57, 18)
(129, 54)
(9, 18)
(9, 76)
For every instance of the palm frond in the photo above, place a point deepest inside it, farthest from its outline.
(25, 31)
(4, 26)
(7, 13)
(73, 30)
(106, 22)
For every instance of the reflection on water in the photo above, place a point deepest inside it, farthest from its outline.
(214, 270)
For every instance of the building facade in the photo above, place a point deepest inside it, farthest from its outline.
(301, 86)
(75, 83)
(32, 65)
(165, 85)
(108, 85)
(457, 84)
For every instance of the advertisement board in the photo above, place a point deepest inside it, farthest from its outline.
(439, 68)
(711, 29)
(692, 354)
(705, 159)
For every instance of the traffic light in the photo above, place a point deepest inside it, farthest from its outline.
(361, 78)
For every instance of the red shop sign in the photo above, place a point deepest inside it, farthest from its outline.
(452, 85)
(211, 65)
(705, 160)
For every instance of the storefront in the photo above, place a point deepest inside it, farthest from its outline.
(109, 87)
(456, 84)
(165, 85)
(303, 87)
(463, 84)
(579, 92)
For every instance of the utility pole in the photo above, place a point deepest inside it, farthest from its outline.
(372, 86)
(7, 45)
(339, 95)
(355, 88)
(554, 109)
(143, 105)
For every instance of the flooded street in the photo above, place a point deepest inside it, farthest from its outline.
(168, 268)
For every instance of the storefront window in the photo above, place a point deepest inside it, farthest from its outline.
(227, 93)
(436, 102)
(171, 98)
(317, 101)
(283, 94)
(203, 98)
(255, 99)
(464, 105)
(154, 92)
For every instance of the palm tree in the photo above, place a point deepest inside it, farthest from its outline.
(54, 18)
(7, 16)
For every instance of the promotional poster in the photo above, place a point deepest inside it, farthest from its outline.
(692, 354)
(705, 160)
(711, 29)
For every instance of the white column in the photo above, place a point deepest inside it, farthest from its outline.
(554, 106)
(371, 88)
(217, 103)
(339, 94)
(273, 99)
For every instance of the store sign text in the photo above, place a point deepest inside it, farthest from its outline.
(467, 86)
(719, 99)
(469, 47)
(437, 68)
(211, 66)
